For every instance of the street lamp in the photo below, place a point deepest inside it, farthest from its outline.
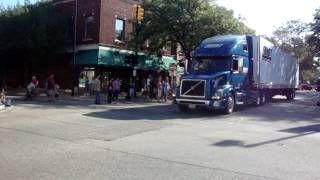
(74, 46)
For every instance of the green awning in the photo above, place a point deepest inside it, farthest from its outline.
(111, 57)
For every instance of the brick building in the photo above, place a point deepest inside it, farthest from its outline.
(104, 28)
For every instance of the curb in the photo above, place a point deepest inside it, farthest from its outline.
(5, 109)
(2, 107)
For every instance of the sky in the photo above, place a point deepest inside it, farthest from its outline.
(12, 2)
(265, 15)
(261, 15)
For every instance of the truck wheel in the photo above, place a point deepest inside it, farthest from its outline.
(183, 108)
(269, 97)
(263, 98)
(257, 101)
(291, 95)
(229, 109)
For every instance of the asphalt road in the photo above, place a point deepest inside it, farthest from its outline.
(144, 141)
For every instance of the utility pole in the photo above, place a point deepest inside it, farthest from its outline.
(74, 47)
(138, 16)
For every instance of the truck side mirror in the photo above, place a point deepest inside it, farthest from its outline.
(245, 47)
(237, 64)
(240, 65)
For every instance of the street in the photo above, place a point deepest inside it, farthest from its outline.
(152, 141)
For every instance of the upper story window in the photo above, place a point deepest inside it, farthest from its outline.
(120, 30)
(88, 30)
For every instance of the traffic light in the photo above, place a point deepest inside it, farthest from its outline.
(140, 14)
(135, 12)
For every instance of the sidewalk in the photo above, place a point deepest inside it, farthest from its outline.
(19, 95)
(2, 107)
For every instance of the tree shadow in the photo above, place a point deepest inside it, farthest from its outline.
(298, 131)
(283, 110)
(152, 112)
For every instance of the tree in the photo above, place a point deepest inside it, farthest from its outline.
(292, 37)
(186, 22)
(314, 39)
(30, 33)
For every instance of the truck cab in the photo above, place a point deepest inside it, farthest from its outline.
(217, 75)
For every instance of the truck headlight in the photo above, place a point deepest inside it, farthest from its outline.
(217, 95)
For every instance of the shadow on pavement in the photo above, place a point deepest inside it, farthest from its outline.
(298, 131)
(154, 112)
(283, 110)
(277, 110)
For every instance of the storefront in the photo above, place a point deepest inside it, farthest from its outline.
(110, 63)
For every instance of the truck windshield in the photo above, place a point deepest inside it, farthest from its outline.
(210, 65)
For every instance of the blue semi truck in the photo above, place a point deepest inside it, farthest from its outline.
(229, 71)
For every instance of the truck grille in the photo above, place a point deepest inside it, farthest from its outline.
(193, 88)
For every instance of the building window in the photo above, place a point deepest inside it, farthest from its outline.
(88, 30)
(120, 30)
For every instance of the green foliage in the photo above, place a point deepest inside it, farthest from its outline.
(314, 39)
(186, 22)
(31, 31)
(292, 37)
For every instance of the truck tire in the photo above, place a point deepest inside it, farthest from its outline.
(291, 95)
(269, 96)
(229, 109)
(263, 97)
(183, 108)
(257, 101)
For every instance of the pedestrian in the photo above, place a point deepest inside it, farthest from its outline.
(110, 91)
(149, 86)
(165, 89)
(159, 88)
(51, 87)
(32, 88)
(131, 88)
(3, 99)
(154, 88)
(87, 88)
(2, 96)
(97, 89)
(116, 85)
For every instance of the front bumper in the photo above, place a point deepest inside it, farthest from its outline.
(209, 104)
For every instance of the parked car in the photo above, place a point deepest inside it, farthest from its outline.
(306, 87)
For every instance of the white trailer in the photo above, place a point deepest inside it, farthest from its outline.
(274, 70)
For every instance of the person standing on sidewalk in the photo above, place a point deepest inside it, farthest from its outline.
(110, 91)
(2, 96)
(165, 89)
(131, 88)
(149, 86)
(51, 88)
(116, 84)
(97, 88)
(87, 86)
(159, 89)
